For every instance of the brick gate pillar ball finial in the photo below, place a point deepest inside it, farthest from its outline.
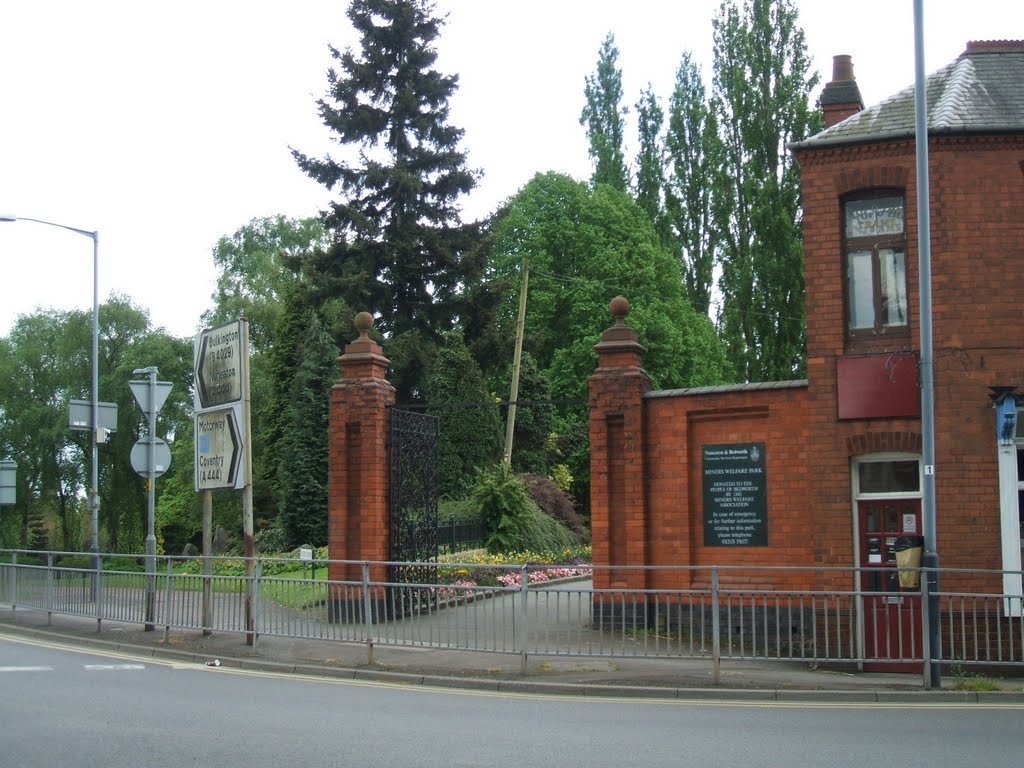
(619, 307)
(363, 323)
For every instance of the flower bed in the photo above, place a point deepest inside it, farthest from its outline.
(476, 570)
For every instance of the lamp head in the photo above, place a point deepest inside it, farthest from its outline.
(8, 217)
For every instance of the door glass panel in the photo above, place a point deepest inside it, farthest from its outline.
(889, 476)
(908, 521)
(892, 518)
(872, 523)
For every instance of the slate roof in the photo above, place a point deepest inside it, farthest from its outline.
(982, 91)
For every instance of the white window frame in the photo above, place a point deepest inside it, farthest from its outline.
(874, 458)
(890, 236)
(877, 458)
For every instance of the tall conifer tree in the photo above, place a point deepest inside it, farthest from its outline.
(400, 248)
(303, 513)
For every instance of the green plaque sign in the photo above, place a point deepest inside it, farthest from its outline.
(735, 501)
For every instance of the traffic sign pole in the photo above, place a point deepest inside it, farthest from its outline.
(151, 507)
(247, 517)
(150, 396)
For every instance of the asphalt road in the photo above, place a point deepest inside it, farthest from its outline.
(61, 707)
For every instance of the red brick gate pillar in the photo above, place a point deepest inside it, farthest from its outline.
(617, 465)
(358, 480)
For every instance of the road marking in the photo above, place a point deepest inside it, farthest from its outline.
(107, 667)
(26, 669)
(415, 687)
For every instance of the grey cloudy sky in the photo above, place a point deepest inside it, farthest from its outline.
(167, 125)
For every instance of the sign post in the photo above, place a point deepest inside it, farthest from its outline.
(150, 457)
(223, 458)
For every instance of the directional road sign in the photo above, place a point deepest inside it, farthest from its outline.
(141, 389)
(218, 366)
(140, 457)
(220, 444)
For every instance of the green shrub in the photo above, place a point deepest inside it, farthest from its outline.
(129, 564)
(83, 562)
(463, 510)
(514, 521)
(555, 504)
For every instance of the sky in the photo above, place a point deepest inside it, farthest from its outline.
(165, 126)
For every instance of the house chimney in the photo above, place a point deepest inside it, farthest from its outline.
(841, 97)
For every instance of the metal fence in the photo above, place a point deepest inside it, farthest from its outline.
(724, 612)
(460, 535)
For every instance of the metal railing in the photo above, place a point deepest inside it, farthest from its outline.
(711, 613)
(460, 535)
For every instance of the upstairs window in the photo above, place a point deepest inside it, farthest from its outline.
(876, 266)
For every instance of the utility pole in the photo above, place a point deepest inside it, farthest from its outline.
(930, 558)
(510, 424)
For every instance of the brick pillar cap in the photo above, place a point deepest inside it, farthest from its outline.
(364, 358)
(364, 344)
(619, 338)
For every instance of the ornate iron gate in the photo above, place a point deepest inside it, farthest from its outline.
(413, 502)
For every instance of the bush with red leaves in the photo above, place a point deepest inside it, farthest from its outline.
(555, 503)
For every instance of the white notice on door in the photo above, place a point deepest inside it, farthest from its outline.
(910, 523)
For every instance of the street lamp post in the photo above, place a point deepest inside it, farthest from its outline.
(94, 495)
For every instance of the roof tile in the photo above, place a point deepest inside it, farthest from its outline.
(982, 91)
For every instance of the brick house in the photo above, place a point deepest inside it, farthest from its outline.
(827, 472)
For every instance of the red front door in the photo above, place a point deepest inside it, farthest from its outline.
(892, 599)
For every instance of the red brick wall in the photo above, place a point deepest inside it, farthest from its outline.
(646, 481)
(677, 429)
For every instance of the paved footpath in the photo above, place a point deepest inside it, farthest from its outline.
(666, 678)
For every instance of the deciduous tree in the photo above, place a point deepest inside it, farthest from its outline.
(604, 118)
(585, 246)
(47, 363)
(762, 84)
(254, 266)
(650, 162)
(696, 185)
